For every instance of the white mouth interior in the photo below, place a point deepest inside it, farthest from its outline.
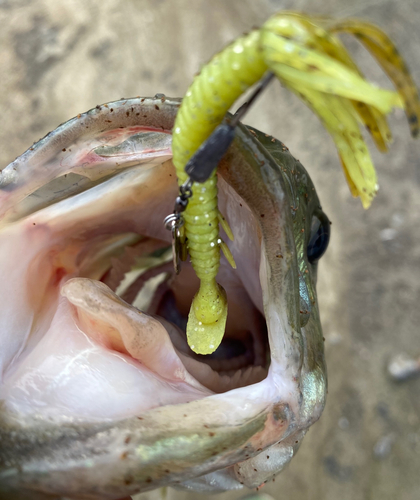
(73, 350)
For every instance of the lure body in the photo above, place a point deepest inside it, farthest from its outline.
(205, 105)
(311, 62)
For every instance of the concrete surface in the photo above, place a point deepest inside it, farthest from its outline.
(61, 58)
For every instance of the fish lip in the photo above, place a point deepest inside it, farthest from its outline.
(283, 416)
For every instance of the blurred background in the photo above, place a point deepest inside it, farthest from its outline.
(58, 59)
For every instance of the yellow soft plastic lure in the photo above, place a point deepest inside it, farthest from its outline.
(307, 57)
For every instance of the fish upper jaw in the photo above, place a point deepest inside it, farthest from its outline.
(140, 445)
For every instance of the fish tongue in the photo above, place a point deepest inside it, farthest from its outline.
(103, 316)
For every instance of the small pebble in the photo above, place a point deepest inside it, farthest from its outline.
(388, 234)
(383, 446)
(402, 367)
(343, 423)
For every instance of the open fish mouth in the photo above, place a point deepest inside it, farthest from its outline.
(102, 400)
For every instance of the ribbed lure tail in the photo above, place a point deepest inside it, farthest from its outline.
(310, 60)
(203, 108)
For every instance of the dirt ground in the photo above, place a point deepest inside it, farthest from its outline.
(58, 59)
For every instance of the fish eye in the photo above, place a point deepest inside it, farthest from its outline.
(319, 236)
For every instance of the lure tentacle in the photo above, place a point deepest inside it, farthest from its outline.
(387, 55)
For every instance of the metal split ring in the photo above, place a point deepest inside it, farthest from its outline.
(172, 221)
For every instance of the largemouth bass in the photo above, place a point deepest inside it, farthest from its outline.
(102, 400)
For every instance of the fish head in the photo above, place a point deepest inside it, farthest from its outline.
(100, 395)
